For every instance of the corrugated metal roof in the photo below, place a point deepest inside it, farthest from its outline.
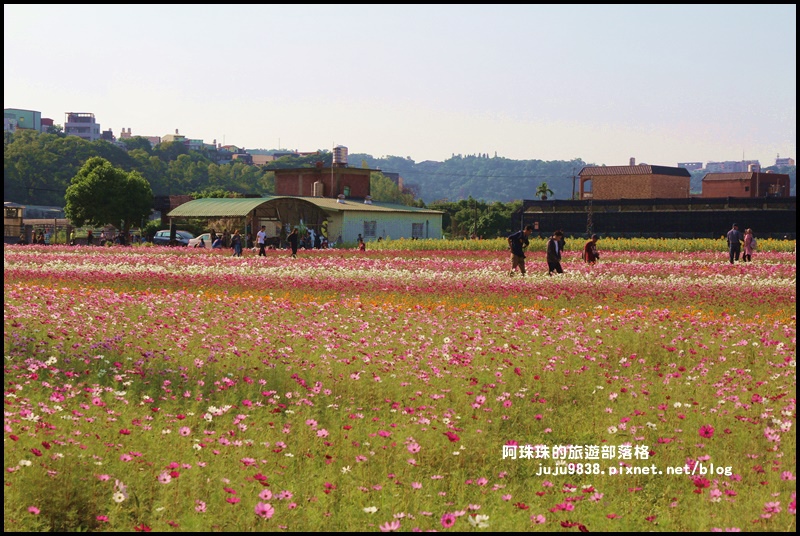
(212, 207)
(641, 169)
(239, 207)
(348, 205)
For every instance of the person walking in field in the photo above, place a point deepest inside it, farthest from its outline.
(236, 243)
(590, 254)
(261, 239)
(294, 241)
(735, 239)
(554, 253)
(517, 242)
(749, 245)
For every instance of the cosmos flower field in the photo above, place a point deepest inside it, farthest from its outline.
(161, 389)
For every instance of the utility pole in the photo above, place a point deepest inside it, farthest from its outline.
(573, 184)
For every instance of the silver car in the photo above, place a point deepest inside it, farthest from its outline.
(161, 238)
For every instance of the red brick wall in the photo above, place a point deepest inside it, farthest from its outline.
(639, 186)
(727, 188)
(300, 182)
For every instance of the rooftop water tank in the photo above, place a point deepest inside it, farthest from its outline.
(318, 189)
(340, 156)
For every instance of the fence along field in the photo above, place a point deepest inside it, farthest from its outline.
(171, 389)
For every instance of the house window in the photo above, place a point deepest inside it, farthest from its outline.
(369, 229)
(417, 230)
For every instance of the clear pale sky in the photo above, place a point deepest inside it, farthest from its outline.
(604, 83)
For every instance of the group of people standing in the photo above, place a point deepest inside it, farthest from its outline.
(737, 240)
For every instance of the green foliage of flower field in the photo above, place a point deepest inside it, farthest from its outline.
(400, 388)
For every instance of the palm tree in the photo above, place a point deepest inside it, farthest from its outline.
(543, 191)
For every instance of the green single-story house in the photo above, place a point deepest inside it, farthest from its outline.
(339, 219)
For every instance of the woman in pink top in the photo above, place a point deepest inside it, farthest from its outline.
(748, 245)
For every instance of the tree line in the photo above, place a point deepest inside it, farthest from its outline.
(477, 192)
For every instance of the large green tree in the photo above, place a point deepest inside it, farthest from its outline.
(101, 194)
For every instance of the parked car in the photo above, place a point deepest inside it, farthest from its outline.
(161, 238)
(195, 242)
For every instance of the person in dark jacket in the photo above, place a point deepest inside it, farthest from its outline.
(294, 241)
(735, 238)
(517, 242)
(554, 253)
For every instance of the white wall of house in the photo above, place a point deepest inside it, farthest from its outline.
(393, 225)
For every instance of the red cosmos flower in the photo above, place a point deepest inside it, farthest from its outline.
(521, 505)
(141, 528)
(569, 524)
(706, 431)
(174, 474)
(36, 452)
(125, 431)
(46, 445)
(453, 437)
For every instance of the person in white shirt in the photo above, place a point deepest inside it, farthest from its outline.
(261, 239)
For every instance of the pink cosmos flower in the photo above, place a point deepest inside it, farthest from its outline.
(706, 431)
(538, 519)
(33, 510)
(448, 520)
(265, 494)
(264, 510)
(200, 506)
(390, 526)
(185, 431)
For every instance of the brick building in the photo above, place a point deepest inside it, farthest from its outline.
(746, 184)
(323, 182)
(634, 182)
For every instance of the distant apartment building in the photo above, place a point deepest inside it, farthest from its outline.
(126, 134)
(691, 166)
(83, 125)
(180, 138)
(731, 166)
(784, 161)
(14, 118)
